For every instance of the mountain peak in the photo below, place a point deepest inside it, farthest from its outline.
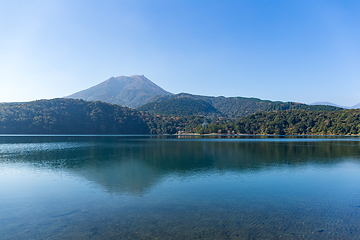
(129, 91)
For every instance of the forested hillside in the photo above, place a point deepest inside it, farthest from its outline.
(294, 122)
(69, 116)
(237, 107)
(170, 125)
(179, 107)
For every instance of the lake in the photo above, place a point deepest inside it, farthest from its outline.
(168, 187)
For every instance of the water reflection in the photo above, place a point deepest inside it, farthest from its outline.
(168, 188)
(133, 165)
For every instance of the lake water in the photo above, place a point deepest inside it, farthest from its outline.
(146, 187)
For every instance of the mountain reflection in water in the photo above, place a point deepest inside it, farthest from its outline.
(167, 187)
(133, 165)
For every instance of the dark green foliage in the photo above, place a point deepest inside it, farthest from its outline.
(181, 107)
(237, 107)
(69, 116)
(293, 122)
(159, 124)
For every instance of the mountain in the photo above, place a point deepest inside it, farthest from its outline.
(181, 107)
(69, 116)
(356, 106)
(234, 107)
(329, 104)
(131, 91)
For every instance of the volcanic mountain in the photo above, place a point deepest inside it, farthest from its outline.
(131, 91)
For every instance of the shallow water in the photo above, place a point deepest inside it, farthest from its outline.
(146, 187)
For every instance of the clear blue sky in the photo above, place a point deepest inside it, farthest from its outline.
(302, 51)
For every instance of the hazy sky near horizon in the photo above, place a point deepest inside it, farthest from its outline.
(294, 50)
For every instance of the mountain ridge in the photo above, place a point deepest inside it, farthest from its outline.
(329, 104)
(234, 107)
(181, 107)
(335, 105)
(356, 106)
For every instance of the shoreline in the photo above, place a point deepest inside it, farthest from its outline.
(176, 134)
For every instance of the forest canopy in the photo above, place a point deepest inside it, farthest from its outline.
(292, 122)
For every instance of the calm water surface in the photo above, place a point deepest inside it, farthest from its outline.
(143, 187)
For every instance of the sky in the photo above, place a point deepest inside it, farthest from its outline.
(295, 50)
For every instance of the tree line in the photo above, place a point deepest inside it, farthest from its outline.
(71, 116)
(290, 122)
